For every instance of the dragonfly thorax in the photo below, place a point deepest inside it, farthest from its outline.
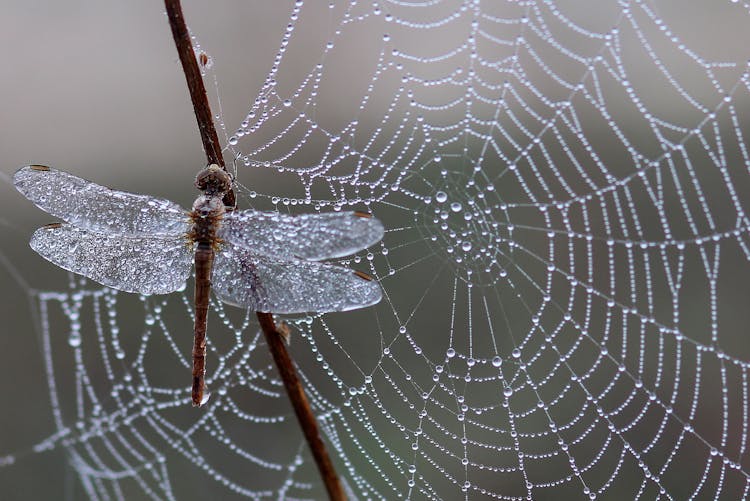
(205, 206)
(206, 214)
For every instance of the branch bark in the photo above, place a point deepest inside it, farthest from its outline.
(198, 95)
(274, 338)
(276, 343)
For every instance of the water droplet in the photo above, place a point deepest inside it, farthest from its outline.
(466, 246)
(497, 361)
(456, 207)
(441, 197)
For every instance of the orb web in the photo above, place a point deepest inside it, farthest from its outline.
(563, 187)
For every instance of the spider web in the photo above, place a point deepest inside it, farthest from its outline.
(563, 186)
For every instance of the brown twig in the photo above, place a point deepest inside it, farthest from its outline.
(274, 338)
(296, 393)
(198, 95)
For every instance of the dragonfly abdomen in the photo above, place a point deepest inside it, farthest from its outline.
(204, 257)
(206, 215)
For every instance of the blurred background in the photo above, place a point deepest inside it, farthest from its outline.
(95, 88)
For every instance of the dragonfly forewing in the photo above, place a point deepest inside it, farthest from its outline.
(98, 208)
(289, 286)
(307, 236)
(145, 265)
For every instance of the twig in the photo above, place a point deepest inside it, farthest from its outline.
(296, 392)
(274, 338)
(201, 106)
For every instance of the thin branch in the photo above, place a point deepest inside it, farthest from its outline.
(198, 95)
(274, 337)
(277, 345)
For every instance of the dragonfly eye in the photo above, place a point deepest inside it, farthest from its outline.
(213, 180)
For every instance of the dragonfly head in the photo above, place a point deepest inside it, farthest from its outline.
(213, 180)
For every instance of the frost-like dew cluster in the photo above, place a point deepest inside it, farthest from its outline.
(147, 265)
(315, 237)
(565, 267)
(98, 208)
(268, 285)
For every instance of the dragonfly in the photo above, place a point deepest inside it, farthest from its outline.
(264, 261)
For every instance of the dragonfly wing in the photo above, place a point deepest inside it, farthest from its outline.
(276, 286)
(98, 208)
(308, 236)
(146, 265)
